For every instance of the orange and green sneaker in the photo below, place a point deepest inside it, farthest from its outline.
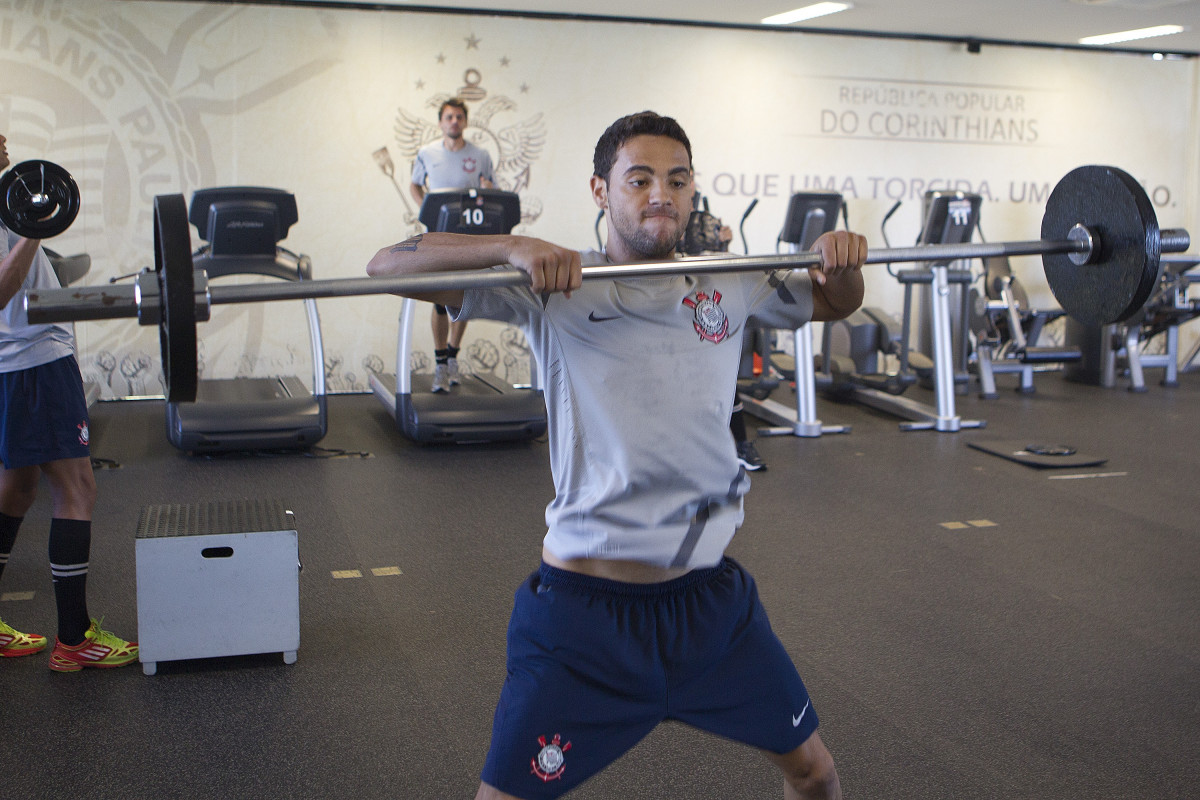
(99, 648)
(13, 643)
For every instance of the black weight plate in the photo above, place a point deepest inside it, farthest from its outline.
(1111, 204)
(38, 199)
(177, 296)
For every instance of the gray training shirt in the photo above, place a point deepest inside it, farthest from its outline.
(452, 169)
(24, 346)
(639, 382)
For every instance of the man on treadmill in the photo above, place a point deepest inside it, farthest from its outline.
(449, 163)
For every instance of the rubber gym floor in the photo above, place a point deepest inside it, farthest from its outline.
(968, 627)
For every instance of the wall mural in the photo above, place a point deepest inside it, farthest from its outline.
(128, 113)
(138, 98)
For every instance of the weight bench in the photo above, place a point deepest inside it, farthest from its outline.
(1007, 331)
(1169, 307)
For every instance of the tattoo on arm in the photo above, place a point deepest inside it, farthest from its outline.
(408, 245)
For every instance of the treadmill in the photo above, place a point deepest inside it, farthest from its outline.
(242, 226)
(483, 407)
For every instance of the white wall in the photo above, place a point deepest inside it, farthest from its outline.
(145, 98)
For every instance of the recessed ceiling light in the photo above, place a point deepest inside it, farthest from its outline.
(1126, 36)
(808, 12)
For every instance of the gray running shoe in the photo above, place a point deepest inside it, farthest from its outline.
(441, 377)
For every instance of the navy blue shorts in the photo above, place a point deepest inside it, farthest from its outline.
(43, 415)
(594, 665)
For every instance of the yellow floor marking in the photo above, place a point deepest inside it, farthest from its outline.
(953, 526)
(379, 572)
(16, 596)
(347, 573)
(981, 523)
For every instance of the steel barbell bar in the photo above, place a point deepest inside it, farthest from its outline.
(1100, 245)
(111, 302)
(141, 300)
(117, 301)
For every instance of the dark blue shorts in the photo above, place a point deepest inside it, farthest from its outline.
(43, 415)
(594, 665)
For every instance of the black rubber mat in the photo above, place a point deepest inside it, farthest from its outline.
(1043, 455)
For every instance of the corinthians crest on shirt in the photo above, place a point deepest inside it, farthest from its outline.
(708, 318)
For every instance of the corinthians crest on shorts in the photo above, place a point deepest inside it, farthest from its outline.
(550, 761)
(709, 319)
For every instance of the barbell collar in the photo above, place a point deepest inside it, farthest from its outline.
(146, 296)
(1174, 240)
(1081, 233)
(203, 296)
(149, 301)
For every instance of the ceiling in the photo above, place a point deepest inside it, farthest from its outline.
(1054, 22)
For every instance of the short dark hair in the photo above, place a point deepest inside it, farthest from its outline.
(456, 102)
(644, 123)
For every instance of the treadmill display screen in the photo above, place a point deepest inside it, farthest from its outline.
(477, 211)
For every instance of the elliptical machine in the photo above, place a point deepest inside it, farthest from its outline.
(851, 347)
(809, 214)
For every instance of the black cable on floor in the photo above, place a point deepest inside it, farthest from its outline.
(312, 452)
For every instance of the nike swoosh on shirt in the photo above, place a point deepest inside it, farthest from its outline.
(796, 719)
(592, 316)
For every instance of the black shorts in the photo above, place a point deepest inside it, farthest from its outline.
(43, 415)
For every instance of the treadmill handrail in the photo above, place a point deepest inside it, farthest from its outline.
(287, 266)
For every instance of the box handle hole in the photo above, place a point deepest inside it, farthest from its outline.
(217, 552)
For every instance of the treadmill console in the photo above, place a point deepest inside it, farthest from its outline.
(477, 211)
(243, 220)
(810, 214)
(950, 217)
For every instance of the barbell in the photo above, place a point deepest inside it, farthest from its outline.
(38, 199)
(1100, 246)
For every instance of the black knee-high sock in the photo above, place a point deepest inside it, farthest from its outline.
(737, 423)
(70, 545)
(8, 535)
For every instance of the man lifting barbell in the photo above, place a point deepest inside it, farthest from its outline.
(636, 615)
(44, 429)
